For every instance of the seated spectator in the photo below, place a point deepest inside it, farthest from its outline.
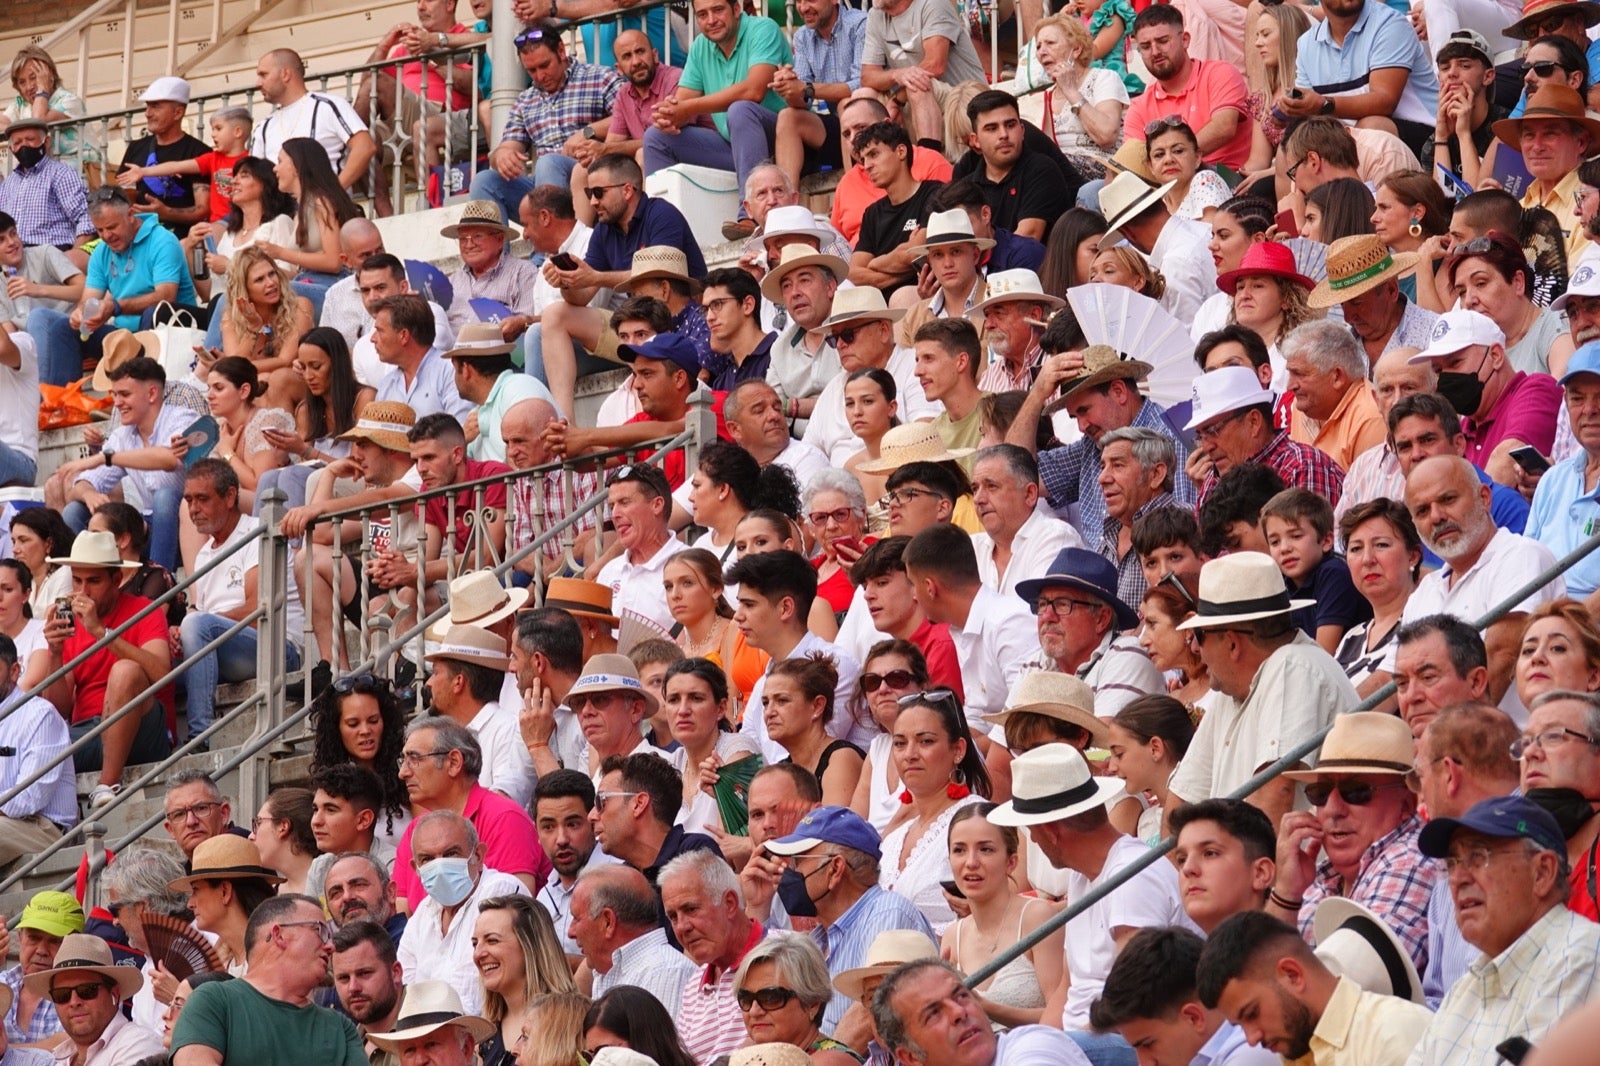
(333, 401)
(1230, 517)
(1173, 155)
(923, 52)
(754, 412)
(37, 815)
(486, 375)
(1225, 858)
(551, 225)
(1426, 426)
(1080, 82)
(1560, 779)
(403, 333)
(1161, 611)
(1439, 661)
(857, 189)
(488, 269)
(532, 499)
(473, 520)
(38, 275)
(893, 668)
(948, 353)
(344, 304)
(1018, 537)
(1363, 279)
(827, 69)
(46, 196)
(1384, 553)
(794, 969)
(705, 905)
(358, 888)
(1298, 528)
(324, 207)
(329, 120)
(835, 511)
(1554, 135)
(616, 925)
(281, 831)
(374, 279)
(41, 96)
(46, 920)
(226, 883)
(1232, 420)
(1376, 472)
(1267, 296)
(740, 347)
(886, 254)
(179, 201)
(366, 976)
(1409, 209)
(468, 675)
(640, 500)
(1010, 252)
(1148, 737)
(562, 802)
(1026, 191)
(518, 959)
(99, 1025)
(637, 799)
(1340, 208)
(263, 322)
(1208, 94)
(1177, 247)
(230, 129)
(257, 211)
(1136, 479)
(347, 801)
(1483, 276)
(1168, 543)
(1560, 509)
(1014, 302)
(802, 283)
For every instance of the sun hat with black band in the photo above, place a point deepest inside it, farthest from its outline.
(1355, 943)
(226, 857)
(1241, 587)
(1050, 783)
(1363, 742)
(427, 1007)
(86, 953)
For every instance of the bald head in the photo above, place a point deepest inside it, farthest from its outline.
(522, 429)
(1450, 506)
(1393, 378)
(359, 239)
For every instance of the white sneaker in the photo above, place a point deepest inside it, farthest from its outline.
(103, 794)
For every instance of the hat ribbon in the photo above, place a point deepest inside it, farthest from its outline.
(1399, 982)
(432, 1017)
(574, 605)
(1279, 602)
(610, 681)
(1398, 767)
(1338, 284)
(467, 651)
(505, 597)
(1055, 800)
(74, 964)
(384, 427)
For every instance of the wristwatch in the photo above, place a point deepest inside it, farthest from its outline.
(108, 454)
(810, 95)
(589, 132)
(1076, 107)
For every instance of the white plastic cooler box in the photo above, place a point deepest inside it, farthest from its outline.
(707, 198)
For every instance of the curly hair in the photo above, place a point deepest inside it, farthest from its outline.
(1295, 310)
(328, 746)
(281, 323)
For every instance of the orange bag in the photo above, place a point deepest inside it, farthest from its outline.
(66, 405)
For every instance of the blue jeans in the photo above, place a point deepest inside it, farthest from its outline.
(16, 468)
(1104, 1049)
(314, 286)
(752, 130)
(234, 660)
(162, 518)
(549, 168)
(533, 361)
(61, 352)
(291, 479)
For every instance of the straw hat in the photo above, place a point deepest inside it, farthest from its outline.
(912, 442)
(949, 227)
(889, 950)
(1050, 783)
(1538, 10)
(769, 1055)
(1055, 695)
(1356, 265)
(80, 952)
(659, 261)
(478, 599)
(94, 549)
(1551, 102)
(1363, 742)
(793, 258)
(385, 423)
(861, 303)
(1102, 363)
(470, 644)
(427, 1007)
(226, 857)
(117, 348)
(482, 213)
(612, 673)
(1008, 285)
(1353, 942)
(1124, 198)
(1265, 259)
(577, 596)
(1242, 587)
(1132, 156)
(479, 339)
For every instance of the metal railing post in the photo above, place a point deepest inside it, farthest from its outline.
(272, 594)
(504, 84)
(700, 424)
(94, 848)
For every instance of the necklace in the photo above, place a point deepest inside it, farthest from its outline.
(713, 639)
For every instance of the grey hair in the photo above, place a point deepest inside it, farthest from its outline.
(195, 777)
(843, 482)
(452, 736)
(711, 870)
(788, 186)
(862, 865)
(731, 406)
(891, 1027)
(119, 204)
(1149, 448)
(369, 859)
(1019, 462)
(630, 898)
(141, 875)
(800, 968)
(1326, 345)
(450, 818)
(1590, 701)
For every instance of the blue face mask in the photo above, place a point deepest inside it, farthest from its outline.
(447, 880)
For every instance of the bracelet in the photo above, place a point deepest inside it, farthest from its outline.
(1284, 902)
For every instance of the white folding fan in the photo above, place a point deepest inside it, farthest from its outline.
(1310, 257)
(1139, 328)
(633, 627)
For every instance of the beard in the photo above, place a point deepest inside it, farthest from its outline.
(1473, 532)
(1297, 1019)
(376, 1009)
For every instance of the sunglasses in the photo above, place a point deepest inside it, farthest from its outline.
(530, 37)
(1165, 122)
(1546, 68)
(894, 679)
(847, 335)
(1354, 793)
(932, 695)
(770, 998)
(87, 993)
(357, 683)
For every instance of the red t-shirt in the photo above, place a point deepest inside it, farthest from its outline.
(510, 841)
(435, 513)
(672, 465)
(940, 652)
(218, 169)
(90, 676)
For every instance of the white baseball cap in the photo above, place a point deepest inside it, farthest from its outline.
(169, 89)
(1456, 330)
(1230, 388)
(1585, 280)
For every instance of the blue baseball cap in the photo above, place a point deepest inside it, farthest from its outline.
(666, 348)
(1086, 570)
(828, 825)
(1498, 816)
(1586, 360)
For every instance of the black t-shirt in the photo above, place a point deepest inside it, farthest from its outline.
(174, 192)
(1482, 137)
(886, 226)
(1033, 189)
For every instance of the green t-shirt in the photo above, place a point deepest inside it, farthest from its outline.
(247, 1027)
(708, 71)
(962, 434)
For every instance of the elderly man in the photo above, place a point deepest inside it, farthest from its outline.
(1451, 509)
(1019, 536)
(533, 501)
(702, 899)
(1439, 661)
(488, 269)
(1082, 623)
(288, 944)
(1277, 685)
(1376, 473)
(925, 1015)
(432, 1026)
(1231, 417)
(88, 990)
(616, 923)
(46, 919)
(450, 860)
(357, 888)
(1506, 407)
(1174, 245)
(802, 358)
(754, 412)
(367, 979)
(1013, 311)
(1333, 407)
(610, 702)
(1506, 861)
(1564, 504)
(1554, 134)
(46, 196)
(1138, 469)
(469, 667)
(136, 888)
(1364, 280)
(297, 112)
(1563, 773)
(1365, 819)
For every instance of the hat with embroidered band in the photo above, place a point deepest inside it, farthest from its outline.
(911, 442)
(1267, 259)
(477, 340)
(168, 90)
(793, 258)
(483, 214)
(86, 953)
(1356, 265)
(861, 303)
(889, 950)
(829, 825)
(1241, 587)
(478, 599)
(429, 1006)
(579, 597)
(1054, 694)
(226, 857)
(949, 227)
(1223, 391)
(1123, 199)
(1015, 286)
(612, 673)
(1363, 742)
(1355, 943)
(1456, 330)
(92, 549)
(386, 423)
(1050, 783)
(659, 262)
(470, 644)
(1086, 571)
(1535, 12)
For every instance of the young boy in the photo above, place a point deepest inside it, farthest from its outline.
(1297, 525)
(651, 658)
(1226, 859)
(230, 136)
(1167, 541)
(346, 805)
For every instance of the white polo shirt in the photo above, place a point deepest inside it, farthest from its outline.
(1034, 547)
(638, 587)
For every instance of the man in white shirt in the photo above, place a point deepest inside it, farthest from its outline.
(617, 926)
(1178, 247)
(640, 501)
(754, 415)
(296, 112)
(348, 305)
(219, 599)
(1019, 537)
(35, 732)
(469, 670)
(611, 703)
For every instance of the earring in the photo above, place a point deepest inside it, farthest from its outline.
(957, 788)
(1416, 228)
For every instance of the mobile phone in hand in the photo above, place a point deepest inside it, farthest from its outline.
(953, 888)
(564, 261)
(1529, 458)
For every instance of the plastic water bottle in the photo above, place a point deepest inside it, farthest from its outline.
(91, 308)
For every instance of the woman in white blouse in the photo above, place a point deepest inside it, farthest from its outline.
(697, 707)
(1084, 104)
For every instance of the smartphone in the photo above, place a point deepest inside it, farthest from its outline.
(1529, 458)
(953, 888)
(564, 261)
(1513, 1049)
(918, 263)
(1294, 94)
(848, 543)
(1286, 224)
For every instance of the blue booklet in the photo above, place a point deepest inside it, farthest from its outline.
(202, 436)
(1511, 172)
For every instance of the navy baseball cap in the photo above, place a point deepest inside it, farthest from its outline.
(1086, 570)
(665, 348)
(828, 825)
(1499, 816)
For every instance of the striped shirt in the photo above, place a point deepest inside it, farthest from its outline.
(544, 120)
(710, 1021)
(1071, 474)
(170, 421)
(655, 966)
(50, 203)
(1393, 882)
(844, 944)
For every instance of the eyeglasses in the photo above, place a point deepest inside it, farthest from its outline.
(713, 305)
(838, 517)
(1549, 740)
(894, 679)
(1292, 171)
(600, 798)
(1546, 68)
(1165, 122)
(87, 993)
(1473, 858)
(1063, 606)
(1209, 432)
(847, 335)
(931, 695)
(1171, 578)
(256, 823)
(598, 192)
(896, 497)
(198, 811)
(770, 998)
(413, 759)
(324, 929)
(1354, 793)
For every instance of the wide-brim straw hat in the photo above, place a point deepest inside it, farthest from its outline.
(1558, 102)
(1055, 695)
(1267, 259)
(1241, 587)
(612, 673)
(1050, 783)
(386, 423)
(889, 950)
(861, 303)
(482, 213)
(1535, 11)
(90, 548)
(427, 1007)
(85, 953)
(1363, 742)
(658, 262)
(470, 644)
(1354, 942)
(1102, 363)
(1014, 286)
(794, 257)
(226, 857)
(911, 442)
(478, 599)
(1123, 199)
(949, 227)
(577, 596)
(477, 340)
(1356, 265)
(775, 1054)
(118, 348)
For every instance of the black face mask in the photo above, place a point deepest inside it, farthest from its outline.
(793, 895)
(1571, 809)
(1464, 391)
(29, 155)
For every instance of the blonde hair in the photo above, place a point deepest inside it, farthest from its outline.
(544, 964)
(1295, 312)
(283, 319)
(32, 53)
(1292, 22)
(957, 126)
(1155, 283)
(555, 1029)
(1076, 33)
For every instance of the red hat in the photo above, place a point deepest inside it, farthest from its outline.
(1265, 258)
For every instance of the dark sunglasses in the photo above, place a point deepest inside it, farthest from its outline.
(1476, 246)
(1165, 122)
(894, 679)
(1547, 68)
(770, 998)
(529, 37)
(847, 335)
(932, 695)
(87, 993)
(356, 682)
(1171, 578)
(1355, 793)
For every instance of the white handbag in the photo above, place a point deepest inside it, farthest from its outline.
(178, 335)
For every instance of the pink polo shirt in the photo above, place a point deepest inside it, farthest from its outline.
(1212, 86)
(509, 839)
(1527, 411)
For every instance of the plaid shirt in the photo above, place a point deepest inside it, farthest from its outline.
(529, 494)
(1299, 465)
(1394, 882)
(1131, 584)
(510, 281)
(833, 60)
(1071, 474)
(49, 202)
(44, 1023)
(545, 120)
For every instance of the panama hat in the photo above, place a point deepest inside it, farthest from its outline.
(793, 258)
(1536, 11)
(861, 303)
(1265, 259)
(1560, 102)
(614, 1055)
(1102, 363)
(889, 950)
(1227, 389)
(1363, 742)
(226, 857)
(478, 599)
(482, 213)
(1123, 199)
(385, 423)
(1005, 286)
(94, 549)
(769, 1055)
(470, 644)
(1055, 695)
(949, 227)
(118, 348)
(577, 596)
(1356, 265)
(1241, 587)
(612, 673)
(790, 220)
(80, 952)
(1086, 571)
(429, 1006)
(1050, 783)
(911, 442)
(1353, 942)
(479, 339)
(656, 262)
